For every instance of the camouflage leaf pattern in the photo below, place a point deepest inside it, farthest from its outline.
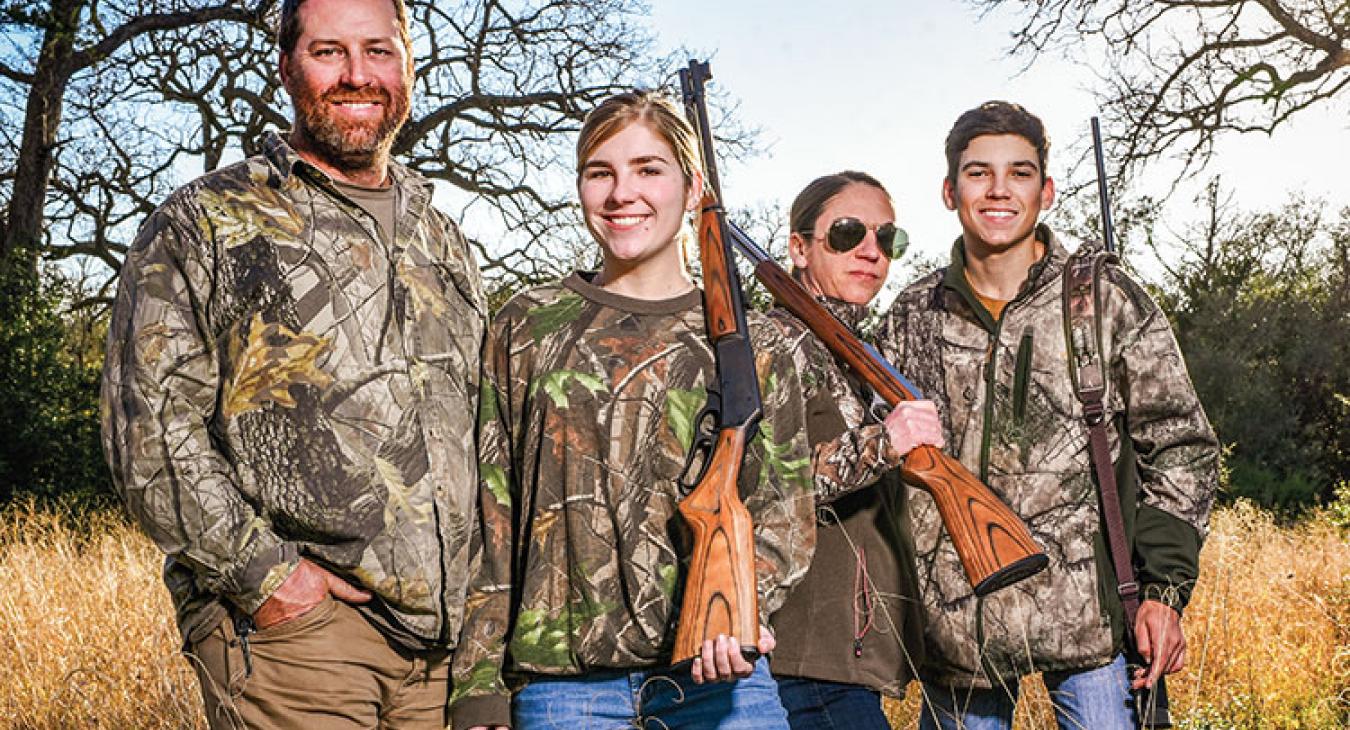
(595, 399)
(1022, 433)
(281, 385)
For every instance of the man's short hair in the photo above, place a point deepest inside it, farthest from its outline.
(288, 26)
(996, 117)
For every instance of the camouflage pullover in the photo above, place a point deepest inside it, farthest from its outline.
(855, 617)
(1011, 416)
(588, 411)
(280, 383)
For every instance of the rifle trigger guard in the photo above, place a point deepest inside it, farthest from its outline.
(702, 444)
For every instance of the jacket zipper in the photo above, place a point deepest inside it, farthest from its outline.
(990, 372)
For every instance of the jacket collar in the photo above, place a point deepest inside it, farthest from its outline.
(1041, 274)
(292, 170)
(852, 315)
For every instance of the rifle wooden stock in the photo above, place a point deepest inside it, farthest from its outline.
(720, 595)
(994, 545)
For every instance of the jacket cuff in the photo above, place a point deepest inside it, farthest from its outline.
(1167, 595)
(478, 710)
(890, 458)
(271, 563)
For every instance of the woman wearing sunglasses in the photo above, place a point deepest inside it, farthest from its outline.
(850, 630)
(591, 387)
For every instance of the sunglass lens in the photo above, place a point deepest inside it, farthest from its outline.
(846, 234)
(892, 240)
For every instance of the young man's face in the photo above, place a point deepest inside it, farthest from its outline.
(999, 193)
(350, 80)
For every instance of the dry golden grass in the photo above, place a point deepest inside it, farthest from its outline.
(1268, 632)
(92, 643)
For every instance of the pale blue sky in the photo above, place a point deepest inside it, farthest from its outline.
(876, 85)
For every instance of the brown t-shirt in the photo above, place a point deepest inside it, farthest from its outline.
(380, 203)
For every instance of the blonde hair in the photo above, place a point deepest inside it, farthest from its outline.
(650, 108)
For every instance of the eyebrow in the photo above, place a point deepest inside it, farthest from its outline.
(1018, 163)
(643, 160)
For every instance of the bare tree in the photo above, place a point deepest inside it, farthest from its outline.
(1180, 73)
(500, 89)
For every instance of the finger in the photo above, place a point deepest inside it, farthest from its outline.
(344, 591)
(739, 666)
(723, 657)
(1178, 660)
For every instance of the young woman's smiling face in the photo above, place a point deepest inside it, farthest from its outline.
(634, 197)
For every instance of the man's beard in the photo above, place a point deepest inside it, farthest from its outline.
(346, 145)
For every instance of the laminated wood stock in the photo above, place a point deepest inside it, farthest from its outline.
(720, 595)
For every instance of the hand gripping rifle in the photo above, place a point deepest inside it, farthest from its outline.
(995, 547)
(1150, 705)
(720, 595)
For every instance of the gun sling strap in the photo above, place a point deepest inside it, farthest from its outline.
(1082, 320)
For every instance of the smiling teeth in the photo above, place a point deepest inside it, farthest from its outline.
(629, 220)
(999, 213)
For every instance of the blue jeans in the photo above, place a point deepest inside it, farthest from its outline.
(652, 699)
(814, 704)
(1097, 699)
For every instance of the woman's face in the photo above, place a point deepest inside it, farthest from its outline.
(853, 276)
(634, 197)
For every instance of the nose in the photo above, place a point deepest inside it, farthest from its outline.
(998, 186)
(870, 249)
(356, 71)
(624, 190)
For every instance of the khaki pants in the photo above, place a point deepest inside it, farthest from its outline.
(329, 668)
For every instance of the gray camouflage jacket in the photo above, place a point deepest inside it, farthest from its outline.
(279, 384)
(1011, 416)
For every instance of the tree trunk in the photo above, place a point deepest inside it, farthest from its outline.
(55, 65)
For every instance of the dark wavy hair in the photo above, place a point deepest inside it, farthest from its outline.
(996, 117)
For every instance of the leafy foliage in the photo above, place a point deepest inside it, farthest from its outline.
(50, 357)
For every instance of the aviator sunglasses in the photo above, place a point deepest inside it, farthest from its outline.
(845, 234)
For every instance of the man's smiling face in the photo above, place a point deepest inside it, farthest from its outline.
(999, 193)
(350, 80)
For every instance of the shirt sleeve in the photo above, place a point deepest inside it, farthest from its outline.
(780, 500)
(159, 393)
(480, 695)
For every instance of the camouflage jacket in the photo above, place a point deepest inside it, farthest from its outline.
(1011, 416)
(279, 383)
(588, 411)
(855, 617)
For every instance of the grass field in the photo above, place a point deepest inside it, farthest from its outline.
(92, 644)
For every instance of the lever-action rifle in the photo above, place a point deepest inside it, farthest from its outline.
(1150, 705)
(995, 547)
(720, 595)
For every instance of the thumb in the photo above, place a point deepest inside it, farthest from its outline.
(344, 591)
(1143, 639)
(766, 641)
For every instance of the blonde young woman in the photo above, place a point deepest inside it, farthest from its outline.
(591, 386)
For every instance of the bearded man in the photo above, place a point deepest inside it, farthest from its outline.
(289, 398)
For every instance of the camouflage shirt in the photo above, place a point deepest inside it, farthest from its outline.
(1011, 416)
(855, 617)
(280, 383)
(588, 411)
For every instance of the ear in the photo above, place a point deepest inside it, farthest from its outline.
(948, 194)
(284, 68)
(797, 244)
(1047, 193)
(694, 195)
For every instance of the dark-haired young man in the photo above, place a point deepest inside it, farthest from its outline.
(985, 337)
(289, 399)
